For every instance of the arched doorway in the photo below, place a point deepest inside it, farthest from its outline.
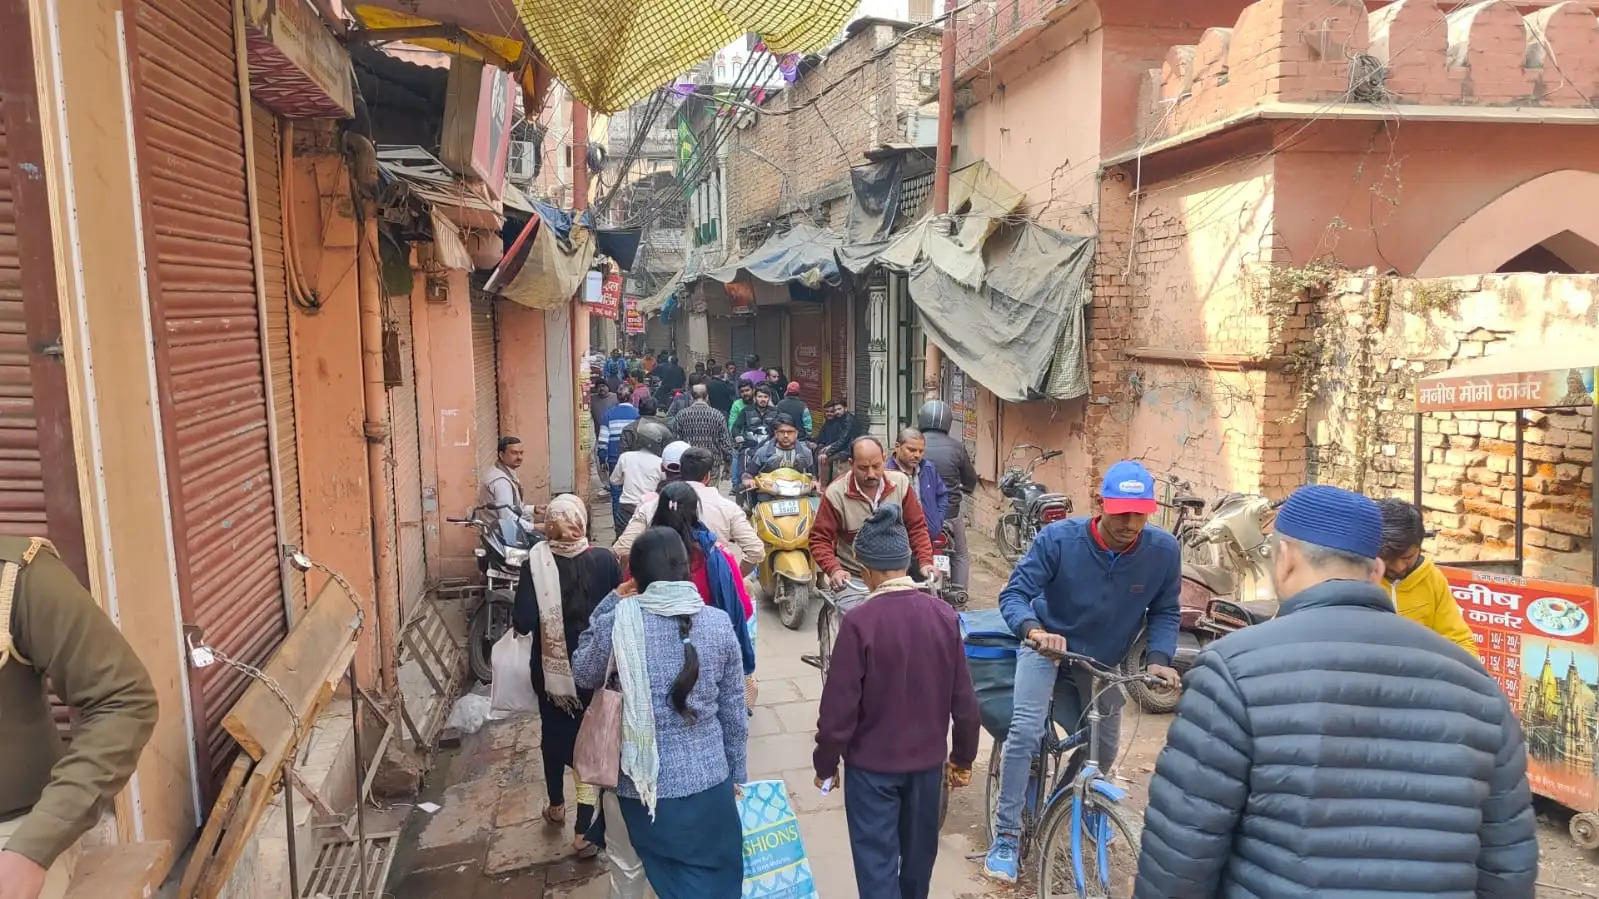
(1541, 225)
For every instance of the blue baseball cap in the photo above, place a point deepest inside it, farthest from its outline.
(1128, 487)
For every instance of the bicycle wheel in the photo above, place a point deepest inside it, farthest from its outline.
(992, 793)
(825, 635)
(1108, 871)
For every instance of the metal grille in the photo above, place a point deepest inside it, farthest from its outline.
(208, 347)
(406, 453)
(337, 873)
(269, 214)
(486, 377)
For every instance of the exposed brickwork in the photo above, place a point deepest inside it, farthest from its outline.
(1362, 428)
(797, 162)
(1484, 54)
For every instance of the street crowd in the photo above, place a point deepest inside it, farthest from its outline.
(1351, 745)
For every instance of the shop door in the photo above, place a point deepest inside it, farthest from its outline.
(808, 356)
(743, 342)
(38, 471)
(208, 338)
(269, 213)
(487, 380)
(405, 454)
(719, 339)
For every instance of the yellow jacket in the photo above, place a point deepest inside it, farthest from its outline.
(1423, 597)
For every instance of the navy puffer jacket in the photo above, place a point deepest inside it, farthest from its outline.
(1339, 751)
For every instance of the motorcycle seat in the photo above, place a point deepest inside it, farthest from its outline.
(1217, 580)
(1189, 501)
(1259, 610)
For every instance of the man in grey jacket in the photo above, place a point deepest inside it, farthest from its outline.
(1338, 749)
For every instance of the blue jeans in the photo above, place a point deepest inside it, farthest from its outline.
(1036, 678)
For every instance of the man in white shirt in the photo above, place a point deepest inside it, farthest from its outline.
(638, 472)
(721, 515)
(500, 490)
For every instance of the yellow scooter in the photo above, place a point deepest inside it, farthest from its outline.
(785, 510)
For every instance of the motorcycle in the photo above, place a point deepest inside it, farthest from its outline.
(954, 594)
(503, 545)
(783, 514)
(1032, 506)
(1216, 599)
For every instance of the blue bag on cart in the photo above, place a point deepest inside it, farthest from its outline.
(775, 865)
(991, 649)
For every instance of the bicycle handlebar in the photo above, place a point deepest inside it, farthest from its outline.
(1098, 670)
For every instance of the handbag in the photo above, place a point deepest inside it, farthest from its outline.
(597, 754)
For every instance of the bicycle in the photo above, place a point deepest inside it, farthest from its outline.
(1081, 805)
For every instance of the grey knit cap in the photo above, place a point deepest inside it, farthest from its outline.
(882, 544)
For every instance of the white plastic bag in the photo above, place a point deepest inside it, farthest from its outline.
(469, 713)
(511, 691)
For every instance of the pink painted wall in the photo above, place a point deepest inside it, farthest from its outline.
(329, 402)
(524, 400)
(453, 421)
(1398, 191)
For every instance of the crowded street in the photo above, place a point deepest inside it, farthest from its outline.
(800, 449)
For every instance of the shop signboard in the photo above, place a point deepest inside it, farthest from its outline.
(1506, 390)
(634, 319)
(609, 304)
(1536, 638)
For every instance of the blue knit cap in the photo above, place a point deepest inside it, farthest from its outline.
(1334, 518)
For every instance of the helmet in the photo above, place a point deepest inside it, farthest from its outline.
(935, 415)
(653, 436)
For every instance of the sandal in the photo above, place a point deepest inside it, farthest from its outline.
(555, 814)
(584, 848)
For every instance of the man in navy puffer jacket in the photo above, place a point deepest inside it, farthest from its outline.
(1339, 749)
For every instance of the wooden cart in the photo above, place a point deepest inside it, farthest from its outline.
(1538, 638)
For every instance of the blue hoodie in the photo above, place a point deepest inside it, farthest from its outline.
(1099, 600)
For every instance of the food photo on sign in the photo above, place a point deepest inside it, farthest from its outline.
(1537, 640)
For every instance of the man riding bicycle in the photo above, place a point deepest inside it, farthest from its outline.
(1090, 585)
(850, 500)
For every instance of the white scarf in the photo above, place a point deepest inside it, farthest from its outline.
(641, 760)
(553, 657)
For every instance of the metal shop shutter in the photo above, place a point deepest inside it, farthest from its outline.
(208, 347)
(269, 214)
(743, 342)
(406, 457)
(487, 380)
(718, 339)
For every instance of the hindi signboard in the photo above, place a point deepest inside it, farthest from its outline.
(1515, 390)
(1536, 638)
(610, 300)
(633, 319)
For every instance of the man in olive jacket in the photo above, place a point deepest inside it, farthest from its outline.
(49, 793)
(1339, 749)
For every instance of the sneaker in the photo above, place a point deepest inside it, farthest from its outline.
(1001, 861)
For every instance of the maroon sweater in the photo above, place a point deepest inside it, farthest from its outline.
(897, 679)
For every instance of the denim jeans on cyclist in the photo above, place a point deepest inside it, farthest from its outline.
(1035, 684)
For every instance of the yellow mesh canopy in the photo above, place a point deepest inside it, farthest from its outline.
(612, 53)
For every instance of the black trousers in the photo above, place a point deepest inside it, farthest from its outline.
(893, 830)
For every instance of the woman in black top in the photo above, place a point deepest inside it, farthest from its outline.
(576, 578)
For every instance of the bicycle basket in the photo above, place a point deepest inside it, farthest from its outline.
(991, 657)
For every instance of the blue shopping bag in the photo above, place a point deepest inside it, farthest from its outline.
(775, 866)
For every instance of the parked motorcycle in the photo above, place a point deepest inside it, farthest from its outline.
(784, 511)
(1216, 599)
(503, 545)
(952, 593)
(1032, 506)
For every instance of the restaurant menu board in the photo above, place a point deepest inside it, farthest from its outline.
(1537, 639)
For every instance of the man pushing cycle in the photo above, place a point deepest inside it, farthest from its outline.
(1090, 585)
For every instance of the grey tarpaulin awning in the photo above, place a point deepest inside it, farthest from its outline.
(1019, 334)
(804, 254)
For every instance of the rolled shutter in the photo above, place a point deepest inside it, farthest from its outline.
(718, 339)
(269, 214)
(208, 347)
(743, 342)
(406, 452)
(22, 506)
(486, 377)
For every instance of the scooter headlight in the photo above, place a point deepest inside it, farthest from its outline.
(515, 556)
(786, 487)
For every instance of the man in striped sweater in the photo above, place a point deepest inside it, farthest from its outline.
(608, 446)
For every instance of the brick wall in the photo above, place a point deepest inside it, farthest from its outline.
(800, 160)
(1361, 429)
(1317, 51)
